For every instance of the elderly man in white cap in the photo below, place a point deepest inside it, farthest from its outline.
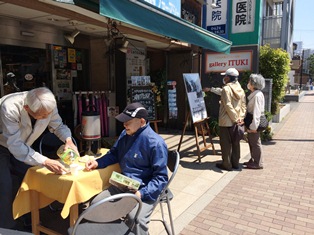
(231, 113)
(142, 155)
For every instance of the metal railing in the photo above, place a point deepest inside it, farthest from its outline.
(272, 26)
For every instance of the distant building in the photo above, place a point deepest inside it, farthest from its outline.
(298, 49)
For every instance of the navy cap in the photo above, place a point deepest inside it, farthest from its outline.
(134, 110)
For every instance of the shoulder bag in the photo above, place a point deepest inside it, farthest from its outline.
(262, 125)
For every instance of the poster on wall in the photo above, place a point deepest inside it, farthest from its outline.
(172, 99)
(135, 62)
(195, 96)
(145, 96)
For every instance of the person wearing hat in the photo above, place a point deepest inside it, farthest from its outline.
(10, 86)
(231, 113)
(142, 155)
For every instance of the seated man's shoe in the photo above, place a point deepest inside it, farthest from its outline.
(222, 167)
(253, 167)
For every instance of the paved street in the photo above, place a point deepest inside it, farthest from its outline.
(276, 200)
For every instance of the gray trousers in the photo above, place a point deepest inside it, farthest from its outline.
(255, 145)
(145, 213)
(230, 150)
(12, 172)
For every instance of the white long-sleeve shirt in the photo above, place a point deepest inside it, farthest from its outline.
(256, 106)
(16, 130)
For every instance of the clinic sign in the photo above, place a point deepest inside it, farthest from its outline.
(216, 18)
(243, 17)
(218, 62)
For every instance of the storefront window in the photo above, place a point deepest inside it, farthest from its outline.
(29, 66)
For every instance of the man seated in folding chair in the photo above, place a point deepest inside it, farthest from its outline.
(142, 155)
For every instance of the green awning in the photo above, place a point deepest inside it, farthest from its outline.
(151, 18)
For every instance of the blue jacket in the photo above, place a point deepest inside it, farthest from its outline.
(143, 157)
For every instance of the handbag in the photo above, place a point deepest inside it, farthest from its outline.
(263, 124)
(236, 132)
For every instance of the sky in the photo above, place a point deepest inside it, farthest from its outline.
(304, 23)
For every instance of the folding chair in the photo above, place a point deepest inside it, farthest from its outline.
(166, 195)
(104, 216)
(49, 144)
(4, 231)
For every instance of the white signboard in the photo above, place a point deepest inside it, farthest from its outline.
(216, 18)
(218, 62)
(171, 6)
(195, 96)
(243, 16)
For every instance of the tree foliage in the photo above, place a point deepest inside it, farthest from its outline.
(275, 64)
(311, 65)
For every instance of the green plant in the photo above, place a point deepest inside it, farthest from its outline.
(213, 126)
(159, 78)
(275, 64)
(267, 135)
(311, 65)
(244, 79)
(269, 116)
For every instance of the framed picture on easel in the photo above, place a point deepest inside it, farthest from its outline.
(198, 113)
(195, 96)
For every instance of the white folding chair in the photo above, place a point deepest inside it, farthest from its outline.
(106, 216)
(49, 144)
(166, 195)
(4, 231)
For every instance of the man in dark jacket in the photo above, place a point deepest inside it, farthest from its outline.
(142, 155)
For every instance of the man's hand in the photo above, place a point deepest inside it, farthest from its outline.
(251, 131)
(69, 144)
(55, 166)
(91, 164)
(240, 122)
(138, 193)
(206, 89)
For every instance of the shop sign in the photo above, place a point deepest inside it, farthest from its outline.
(171, 6)
(243, 16)
(216, 18)
(218, 62)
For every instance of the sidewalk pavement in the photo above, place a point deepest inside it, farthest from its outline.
(276, 200)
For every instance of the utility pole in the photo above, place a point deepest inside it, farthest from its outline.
(301, 72)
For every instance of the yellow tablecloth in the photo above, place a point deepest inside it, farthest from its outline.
(67, 189)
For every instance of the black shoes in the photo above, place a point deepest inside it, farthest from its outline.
(252, 166)
(222, 167)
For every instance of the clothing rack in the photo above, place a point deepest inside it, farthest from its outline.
(91, 92)
(100, 99)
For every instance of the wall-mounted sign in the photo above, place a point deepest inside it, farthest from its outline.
(172, 100)
(171, 6)
(218, 62)
(71, 55)
(146, 97)
(243, 16)
(216, 18)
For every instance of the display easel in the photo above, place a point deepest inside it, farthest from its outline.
(201, 128)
